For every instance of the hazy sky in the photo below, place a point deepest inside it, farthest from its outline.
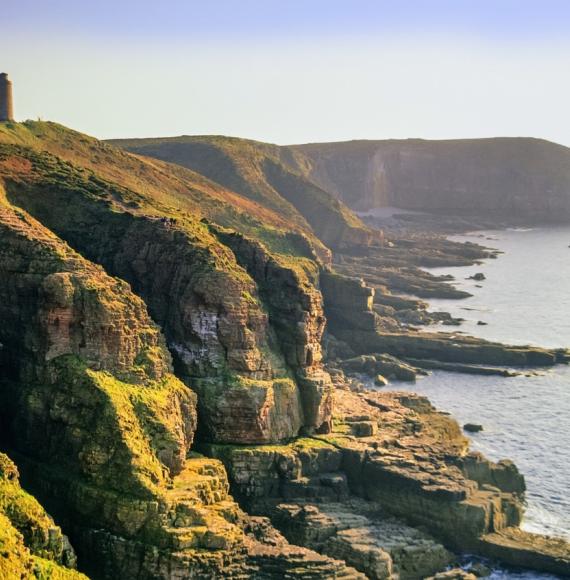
(292, 71)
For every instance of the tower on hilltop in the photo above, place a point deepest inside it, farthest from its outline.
(6, 102)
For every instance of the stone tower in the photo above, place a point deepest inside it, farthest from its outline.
(6, 103)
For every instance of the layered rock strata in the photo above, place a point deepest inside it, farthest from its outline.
(99, 426)
(389, 456)
(353, 321)
(251, 389)
(296, 312)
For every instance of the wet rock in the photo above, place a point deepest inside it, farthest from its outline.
(464, 368)
(518, 548)
(380, 381)
(479, 276)
(480, 570)
(472, 427)
(453, 574)
(388, 366)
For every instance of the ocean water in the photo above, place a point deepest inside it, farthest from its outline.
(525, 299)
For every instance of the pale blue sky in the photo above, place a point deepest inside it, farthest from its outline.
(292, 71)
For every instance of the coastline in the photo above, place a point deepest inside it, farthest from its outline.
(363, 363)
(512, 316)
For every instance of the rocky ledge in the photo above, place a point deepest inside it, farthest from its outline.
(391, 462)
(353, 321)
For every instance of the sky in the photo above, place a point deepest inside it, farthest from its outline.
(292, 71)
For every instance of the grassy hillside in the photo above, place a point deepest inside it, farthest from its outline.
(267, 174)
(153, 187)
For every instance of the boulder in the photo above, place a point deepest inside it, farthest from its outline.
(388, 366)
(380, 381)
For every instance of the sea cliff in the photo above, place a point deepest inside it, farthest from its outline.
(174, 394)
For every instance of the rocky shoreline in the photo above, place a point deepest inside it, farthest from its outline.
(361, 346)
(390, 491)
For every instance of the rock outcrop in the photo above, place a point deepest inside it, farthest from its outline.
(102, 430)
(296, 312)
(383, 364)
(31, 545)
(213, 317)
(95, 420)
(351, 318)
(391, 460)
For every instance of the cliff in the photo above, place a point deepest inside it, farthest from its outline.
(102, 432)
(161, 354)
(213, 316)
(512, 177)
(518, 178)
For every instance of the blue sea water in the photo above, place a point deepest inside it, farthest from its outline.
(525, 299)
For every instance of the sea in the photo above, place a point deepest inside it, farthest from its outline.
(524, 299)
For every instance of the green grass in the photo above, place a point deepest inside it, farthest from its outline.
(31, 545)
(144, 185)
(275, 177)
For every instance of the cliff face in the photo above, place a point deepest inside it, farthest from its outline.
(525, 178)
(147, 318)
(295, 308)
(506, 177)
(268, 174)
(97, 422)
(214, 319)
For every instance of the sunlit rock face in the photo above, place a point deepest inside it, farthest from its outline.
(257, 382)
